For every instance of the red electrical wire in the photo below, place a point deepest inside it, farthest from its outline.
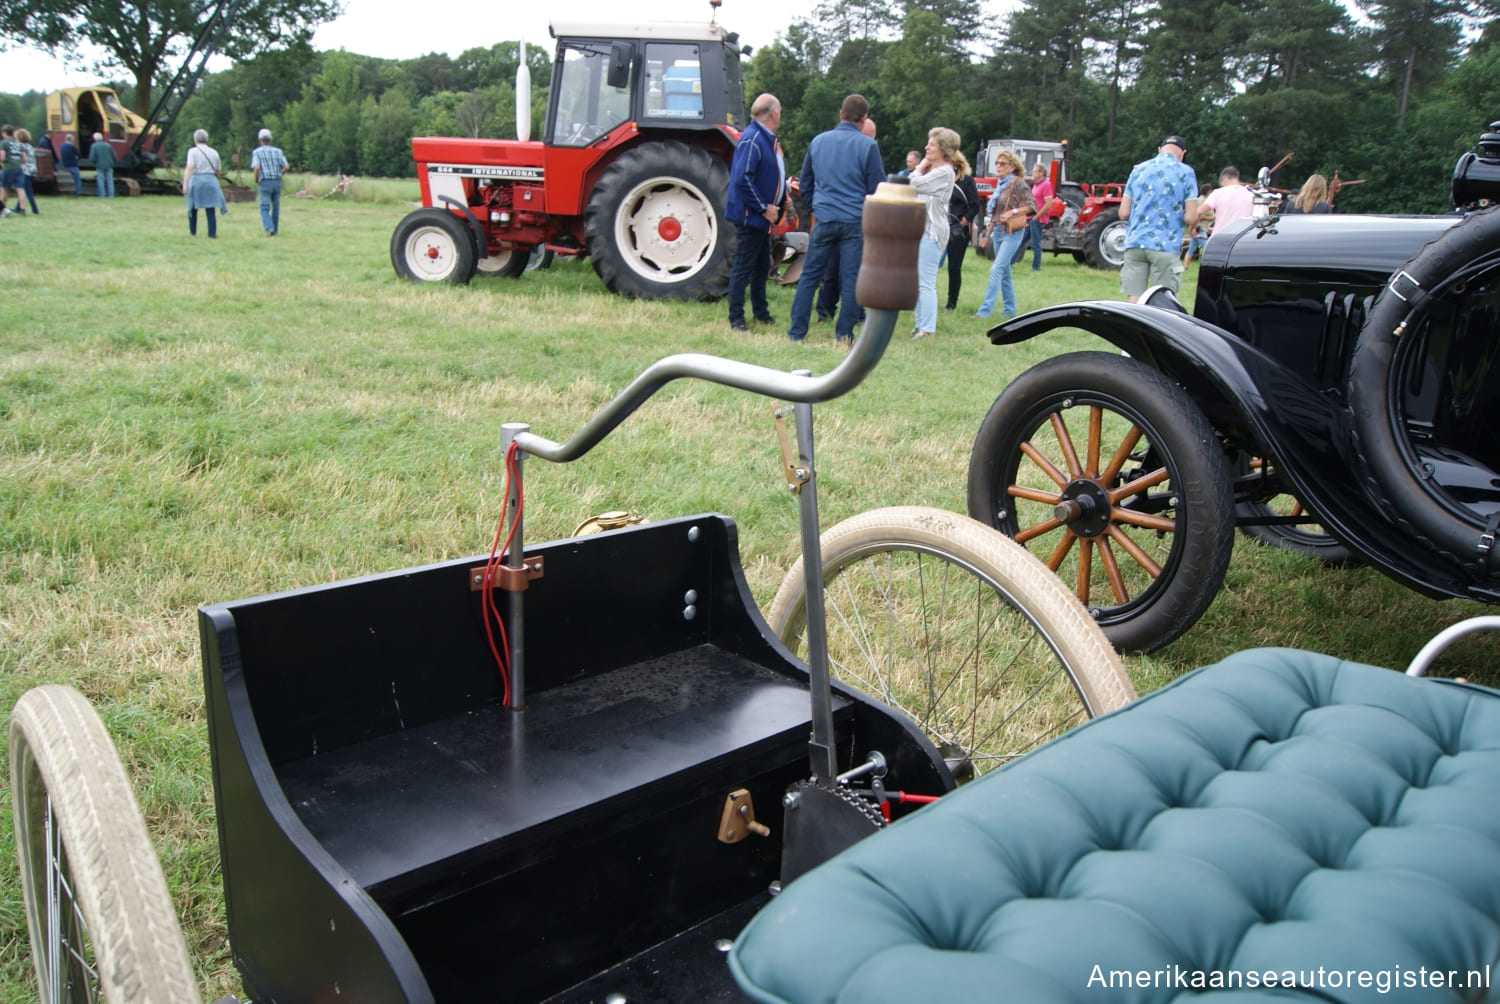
(490, 608)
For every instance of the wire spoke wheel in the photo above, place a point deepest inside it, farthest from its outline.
(1108, 472)
(958, 628)
(97, 907)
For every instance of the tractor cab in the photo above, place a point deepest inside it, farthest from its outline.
(658, 74)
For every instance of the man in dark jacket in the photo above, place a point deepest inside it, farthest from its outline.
(757, 190)
(102, 156)
(67, 159)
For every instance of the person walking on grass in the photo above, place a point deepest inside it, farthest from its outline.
(11, 156)
(28, 169)
(268, 164)
(102, 156)
(1160, 203)
(200, 184)
(1010, 208)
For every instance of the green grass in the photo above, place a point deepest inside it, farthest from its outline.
(185, 421)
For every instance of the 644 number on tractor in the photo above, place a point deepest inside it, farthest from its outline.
(632, 169)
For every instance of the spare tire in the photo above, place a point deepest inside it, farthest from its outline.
(1393, 472)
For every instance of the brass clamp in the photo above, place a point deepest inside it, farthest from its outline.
(797, 471)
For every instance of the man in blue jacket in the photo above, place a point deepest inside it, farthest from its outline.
(842, 166)
(757, 190)
(67, 158)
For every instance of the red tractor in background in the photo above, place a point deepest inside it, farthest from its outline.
(632, 169)
(1089, 226)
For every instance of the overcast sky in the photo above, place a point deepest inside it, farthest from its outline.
(388, 28)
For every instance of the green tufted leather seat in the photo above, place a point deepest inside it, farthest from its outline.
(1279, 813)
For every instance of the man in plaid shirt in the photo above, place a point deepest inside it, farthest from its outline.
(268, 163)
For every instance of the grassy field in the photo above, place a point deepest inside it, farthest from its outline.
(185, 421)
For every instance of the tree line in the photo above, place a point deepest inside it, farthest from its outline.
(1385, 93)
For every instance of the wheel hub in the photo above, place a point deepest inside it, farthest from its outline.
(1085, 508)
(669, 229)
(433, 252)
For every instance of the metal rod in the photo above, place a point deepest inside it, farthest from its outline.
(798, 387)
(1448, 636)
(820, 747)
(515, 557)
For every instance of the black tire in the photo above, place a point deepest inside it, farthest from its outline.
(1150, 479)
(969, 636)
(433, 245)
(82, 845)
(1259, 494)
(1394, 333)
(506, 264)
(655, 223)
(540, 258)
(1104, 241)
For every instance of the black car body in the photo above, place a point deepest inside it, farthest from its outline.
(1348, 362)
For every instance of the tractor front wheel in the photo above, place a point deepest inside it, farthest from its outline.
(654, 223)
(433, 245)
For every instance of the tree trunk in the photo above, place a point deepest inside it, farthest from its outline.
(144, 84)
(1411, 62)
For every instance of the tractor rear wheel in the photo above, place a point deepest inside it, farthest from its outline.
(433, 245)
(654, 223)
(1104, 243)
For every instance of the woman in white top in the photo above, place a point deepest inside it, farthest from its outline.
(200, 184)
(932, 179)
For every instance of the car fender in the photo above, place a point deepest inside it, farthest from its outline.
(1258, 406)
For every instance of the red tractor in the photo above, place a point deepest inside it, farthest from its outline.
(632, 169)
(1089, 226)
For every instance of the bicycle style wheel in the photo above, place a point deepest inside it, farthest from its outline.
(101, 920)
(960, 629)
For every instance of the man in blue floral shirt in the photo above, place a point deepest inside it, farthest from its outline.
(1160, 203)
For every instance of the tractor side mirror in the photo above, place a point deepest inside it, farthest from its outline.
(618, 76)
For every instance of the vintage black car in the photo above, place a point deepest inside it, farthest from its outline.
(1335, 390)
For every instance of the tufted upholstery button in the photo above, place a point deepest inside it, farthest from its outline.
(1279, 811)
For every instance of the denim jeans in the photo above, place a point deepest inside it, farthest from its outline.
(270, 204)
(1000, 281)
(929, 256)
(104, 180)
(826, 235)
(213, 222)
(752, 262)
(77, 180)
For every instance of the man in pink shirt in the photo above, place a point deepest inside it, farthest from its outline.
(1041, 191)
(1230, 201)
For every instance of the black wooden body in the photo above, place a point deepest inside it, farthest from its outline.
(1265, 355)
(390, 833)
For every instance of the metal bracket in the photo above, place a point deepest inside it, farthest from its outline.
(510, 580)
(797, 472)
(738, 819)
